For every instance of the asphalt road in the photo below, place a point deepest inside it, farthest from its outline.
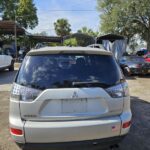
(137, 139)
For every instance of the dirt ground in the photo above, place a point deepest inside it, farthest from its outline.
(137, 139)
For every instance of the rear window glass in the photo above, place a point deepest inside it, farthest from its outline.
(61, 70)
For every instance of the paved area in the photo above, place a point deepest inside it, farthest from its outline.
(137, 139)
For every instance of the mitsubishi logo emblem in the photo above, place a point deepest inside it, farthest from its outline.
(75, 95)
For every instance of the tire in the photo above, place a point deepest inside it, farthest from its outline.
(11, 68)
(126, 71)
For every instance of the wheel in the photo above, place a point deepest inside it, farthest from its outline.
(11, 68)
(126, 71)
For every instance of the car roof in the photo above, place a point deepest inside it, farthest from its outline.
(73, 50)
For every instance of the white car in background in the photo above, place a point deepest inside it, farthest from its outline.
(6, 62)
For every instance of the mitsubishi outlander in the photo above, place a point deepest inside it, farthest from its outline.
(69, 97)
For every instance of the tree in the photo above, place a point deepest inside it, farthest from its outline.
(27, 14)
(8, 9)
(126, 17)
(82, 39)
(87, 31)
(70, 42)
(24, 11)
(62, 27)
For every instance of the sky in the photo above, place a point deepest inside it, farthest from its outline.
(48, 12)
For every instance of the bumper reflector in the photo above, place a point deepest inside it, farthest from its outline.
(126, 124)
(16, 131)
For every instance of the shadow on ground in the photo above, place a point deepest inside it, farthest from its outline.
(134, 77)
(145, 76)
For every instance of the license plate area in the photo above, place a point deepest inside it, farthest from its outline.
(73, 108)
(74, 105)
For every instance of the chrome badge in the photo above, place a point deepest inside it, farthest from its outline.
(75, 95)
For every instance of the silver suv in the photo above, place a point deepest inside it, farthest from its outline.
(70, 96)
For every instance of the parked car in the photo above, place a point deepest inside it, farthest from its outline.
(147, 57)
(22, 53)
(69, 96)
(9, 51)
(133, 65)
(142, 52)
(6, 62)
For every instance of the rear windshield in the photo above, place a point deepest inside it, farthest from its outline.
(62, 70)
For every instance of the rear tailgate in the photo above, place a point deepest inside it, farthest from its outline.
(71, 104)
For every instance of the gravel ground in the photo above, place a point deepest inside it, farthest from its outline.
(137, 139)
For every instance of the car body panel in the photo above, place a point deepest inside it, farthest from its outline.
(2, 62)
(135, 64)
(71, 50)
(15, 120)
(53, 132)
(89, 103)
(5, 61)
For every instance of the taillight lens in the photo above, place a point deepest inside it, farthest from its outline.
(119, 90)
(16, 131)
(126, 124)
(23, 93)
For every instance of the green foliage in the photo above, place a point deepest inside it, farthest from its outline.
(82, 39)
(62, 27)
(126, 17)
(70, 42)
(87, 31)
(24, 10)
(54, 44)
(8, 9)
(27, 14)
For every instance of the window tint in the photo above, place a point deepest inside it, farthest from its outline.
(61, 70)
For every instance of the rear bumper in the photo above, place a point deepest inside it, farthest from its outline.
(52, 132)
(90, 144)
(71, 131)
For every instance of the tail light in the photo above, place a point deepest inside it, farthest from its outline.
(126, 124)
(119, 90)
(24, 93)
(16, 131)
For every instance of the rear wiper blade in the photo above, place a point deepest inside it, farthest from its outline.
(90, 84)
